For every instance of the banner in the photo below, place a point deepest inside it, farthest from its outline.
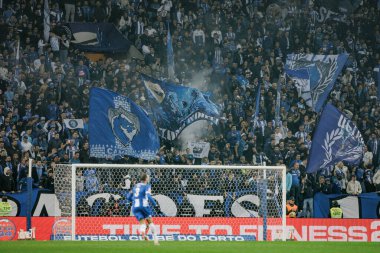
(170, 56)
(199, 149)
(175, 107)
(337, 10)
(193, 229)
(118, 127)
(98, 38)
(365, 205)
(335, 139)
(73, 123)
(314, 76)
(46, 20)
(44, 203)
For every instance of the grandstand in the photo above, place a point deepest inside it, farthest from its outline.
(245, 83)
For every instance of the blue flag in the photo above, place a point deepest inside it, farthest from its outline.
(97, 37)
(243, 82)
(335, 139)
(314, 76)
(119, 127)
(175, 107)
(170, 56)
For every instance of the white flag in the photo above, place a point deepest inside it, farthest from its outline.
(73, 123)
(199, 149)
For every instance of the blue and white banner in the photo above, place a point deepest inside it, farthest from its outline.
(175, 107)
(45, 203)
(335, 139)
(366, 205)
(314, 75)
(73, 123)
(119, 127)
(170, 56)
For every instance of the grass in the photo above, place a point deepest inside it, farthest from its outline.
(185, 247)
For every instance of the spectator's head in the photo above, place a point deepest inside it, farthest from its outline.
(4, 198)
(7, 171)
(144, 178)
(334, 203)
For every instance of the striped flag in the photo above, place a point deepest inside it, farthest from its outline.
(170, 56)
(46, 20)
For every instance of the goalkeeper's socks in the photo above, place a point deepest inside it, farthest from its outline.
(142, 230)
(154, 232)
(146, 233)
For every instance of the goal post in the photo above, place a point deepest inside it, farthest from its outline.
(196, 202)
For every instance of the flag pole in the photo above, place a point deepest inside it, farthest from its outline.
(170, 55)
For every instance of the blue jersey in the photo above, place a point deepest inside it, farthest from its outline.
(141, 195)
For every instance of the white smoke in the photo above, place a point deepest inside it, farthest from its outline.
(195, 132)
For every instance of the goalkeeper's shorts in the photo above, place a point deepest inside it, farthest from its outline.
(142, 213)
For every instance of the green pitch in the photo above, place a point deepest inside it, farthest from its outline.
(184, 247)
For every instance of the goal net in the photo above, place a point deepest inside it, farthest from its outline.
(194, 202)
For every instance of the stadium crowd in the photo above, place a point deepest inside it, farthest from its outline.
(44, 82)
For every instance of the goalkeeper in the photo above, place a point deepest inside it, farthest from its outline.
(140, 197)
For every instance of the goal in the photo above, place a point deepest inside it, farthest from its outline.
(194, 202)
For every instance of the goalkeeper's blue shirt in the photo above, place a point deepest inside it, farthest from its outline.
(141, 195)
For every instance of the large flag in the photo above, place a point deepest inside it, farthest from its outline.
(46, 20)
(314, 75)
(119, 127)
(170, 56)
(336, 139)
(175, 107)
